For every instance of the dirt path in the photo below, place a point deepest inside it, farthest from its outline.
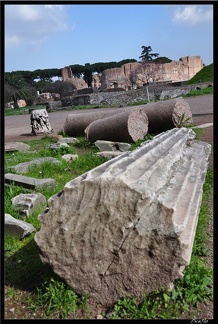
(17, 128)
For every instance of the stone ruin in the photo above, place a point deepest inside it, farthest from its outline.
(122, 77)
(39, 121)
(129, 123)
(67, 75)
(127, 227)
(135, 74)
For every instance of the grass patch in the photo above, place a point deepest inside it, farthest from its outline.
(22, 110)
(204, 75)
(199, 92)
(48, 295)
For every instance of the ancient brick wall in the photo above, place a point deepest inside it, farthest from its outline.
(66, 73)
(175, 71)
(122, 77)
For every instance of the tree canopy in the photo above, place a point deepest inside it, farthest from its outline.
(15, 88)
(20, 84)
(146, 54)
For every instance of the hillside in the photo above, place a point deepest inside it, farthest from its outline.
(204, 75)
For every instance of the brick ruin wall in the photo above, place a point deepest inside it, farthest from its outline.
(175, 71)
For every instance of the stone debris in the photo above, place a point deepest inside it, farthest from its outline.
(58, 145)
(68, 140)
(26, 204)
(24, 167)
(127, 226)
(18, 227)
(16, 146)
(29, 182)
(112, 146)
(108, 154)
(70, 157)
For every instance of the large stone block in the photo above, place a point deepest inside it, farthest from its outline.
(16, 146)
(17, 227)
(29, 182)
(26, 204)
(24, 166)
(127, 227)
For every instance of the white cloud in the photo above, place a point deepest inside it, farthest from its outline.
(12, 40)
(193, 14)
(32, 24)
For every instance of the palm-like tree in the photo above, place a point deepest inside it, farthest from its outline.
(15, 88)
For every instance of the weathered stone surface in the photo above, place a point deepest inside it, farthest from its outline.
(53, 105)
(16, 146)
(18, 227)
(58, 145)
(39, 121)
(127, 226)
(136, 73)
(108, 154)
(167, 114)
(29, 182)
(70, 157)
(112, 146)
(24, 166)
(130, 126)
(75, 124)
(26, 204)
(67, 75)
(162, 115)
(68, 140)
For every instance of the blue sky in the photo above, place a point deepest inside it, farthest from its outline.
(54, 36)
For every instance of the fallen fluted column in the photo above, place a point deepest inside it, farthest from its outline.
(127, 227)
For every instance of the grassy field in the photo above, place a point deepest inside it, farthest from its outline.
(33, 291)
(47, 295)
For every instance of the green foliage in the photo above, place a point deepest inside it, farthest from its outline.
(22, 110)
(183, 121)
(15, 88)
(51, 295)
(208, 90)
(195, 286)
(83, 143)
(204, 75)
(201, 239)
(147, 137)
(54, 298)
(162, 60)
(146, 54)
